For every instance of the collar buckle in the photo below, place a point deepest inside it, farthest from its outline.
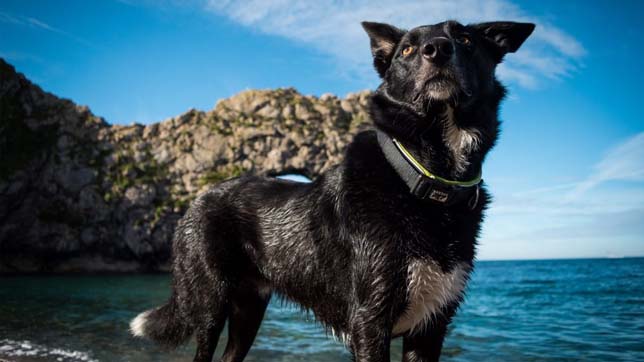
(426, 189)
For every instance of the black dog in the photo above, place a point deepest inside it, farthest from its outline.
(378, 247)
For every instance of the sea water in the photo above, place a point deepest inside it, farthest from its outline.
(550, 310)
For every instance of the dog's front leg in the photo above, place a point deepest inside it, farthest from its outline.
(425, 345)
(370, 336)
(375, 280)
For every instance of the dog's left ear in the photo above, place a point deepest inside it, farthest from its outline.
(504, 36)
(384, 39)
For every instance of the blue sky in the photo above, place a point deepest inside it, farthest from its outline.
(567, 174)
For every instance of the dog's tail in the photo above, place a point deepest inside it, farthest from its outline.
(164, 325)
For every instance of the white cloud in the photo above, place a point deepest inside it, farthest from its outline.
(544, 224)
(590, 217)
(625, 162)
(333, 27)
(563, 42)
(514, 74)
(38, 24)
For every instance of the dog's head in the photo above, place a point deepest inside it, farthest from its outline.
(445, 63)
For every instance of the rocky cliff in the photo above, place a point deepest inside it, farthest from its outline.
(79, 194)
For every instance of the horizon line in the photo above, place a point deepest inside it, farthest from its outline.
(566, 258)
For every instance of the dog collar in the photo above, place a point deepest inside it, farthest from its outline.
(422, 183)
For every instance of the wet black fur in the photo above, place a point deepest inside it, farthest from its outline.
(340, 246)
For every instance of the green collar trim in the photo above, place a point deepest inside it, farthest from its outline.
(426, 172)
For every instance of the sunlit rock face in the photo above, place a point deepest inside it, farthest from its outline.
(79, 194)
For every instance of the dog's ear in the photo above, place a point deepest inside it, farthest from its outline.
(504, 36)
(384, 39)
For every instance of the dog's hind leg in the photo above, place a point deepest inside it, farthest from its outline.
(209, 317)
(210, 322)
(207, 338)
(246, 312)
(203, 247)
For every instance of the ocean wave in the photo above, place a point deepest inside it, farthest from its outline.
(24, 349)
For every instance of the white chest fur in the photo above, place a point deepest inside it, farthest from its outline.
(429, 289)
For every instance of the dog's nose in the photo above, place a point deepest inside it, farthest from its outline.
(438, 50)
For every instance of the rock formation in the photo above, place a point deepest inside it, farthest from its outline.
(79, 194)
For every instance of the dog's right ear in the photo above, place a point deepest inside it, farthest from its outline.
(384, 39)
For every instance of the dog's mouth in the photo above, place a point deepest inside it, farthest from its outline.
(439, 88)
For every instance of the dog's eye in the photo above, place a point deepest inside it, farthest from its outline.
(407, 51)
(464, 39)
